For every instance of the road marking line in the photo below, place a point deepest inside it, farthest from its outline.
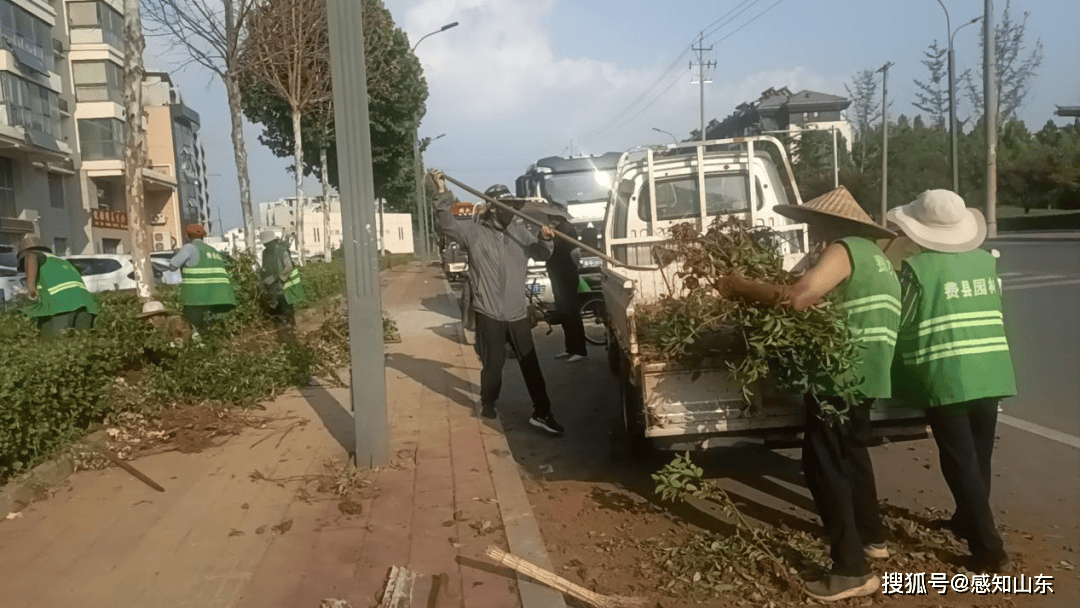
(1041, 431)
(1009, 287)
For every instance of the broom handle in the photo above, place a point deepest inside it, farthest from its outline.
(552, 580)
(535, 222)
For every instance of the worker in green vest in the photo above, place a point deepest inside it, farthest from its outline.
(280, 279)
(206, 291)
(952, 356)
(63, 302)
(836, 460)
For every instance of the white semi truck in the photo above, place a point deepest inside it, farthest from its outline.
(665, 403)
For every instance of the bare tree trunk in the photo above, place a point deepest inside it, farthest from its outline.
(135, 149)
(298, 154)
(327, 248)
(232, 89)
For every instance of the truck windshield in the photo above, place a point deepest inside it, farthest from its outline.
(582, 187)
(677, 199)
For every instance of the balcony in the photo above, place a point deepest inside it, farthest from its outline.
(103, 218)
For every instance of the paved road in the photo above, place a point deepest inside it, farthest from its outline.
(1037, 488)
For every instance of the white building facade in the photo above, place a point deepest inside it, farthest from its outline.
(283, 215)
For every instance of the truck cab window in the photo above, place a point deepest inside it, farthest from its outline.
(677, 199)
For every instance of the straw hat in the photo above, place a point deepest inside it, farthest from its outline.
(840, 209)
(30, 242)
(195, 231)
(152, 308)
(940, 221)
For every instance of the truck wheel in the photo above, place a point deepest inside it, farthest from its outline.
(633, 412)
(613, 353)
(592, 317)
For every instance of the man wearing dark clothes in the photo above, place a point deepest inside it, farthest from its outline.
(500, 245)
(562, 269)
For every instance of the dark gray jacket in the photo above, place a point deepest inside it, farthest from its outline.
(498, 260)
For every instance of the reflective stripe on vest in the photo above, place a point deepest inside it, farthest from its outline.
(294, 279)
(206, 283)
(60, 289)
(871, 298)
(956, 349)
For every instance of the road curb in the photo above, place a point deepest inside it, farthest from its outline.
(18, 494)
(519, 522)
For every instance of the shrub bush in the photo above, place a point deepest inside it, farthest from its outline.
(51, 391)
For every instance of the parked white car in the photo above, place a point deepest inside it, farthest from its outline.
(12, 282)
(115, 271)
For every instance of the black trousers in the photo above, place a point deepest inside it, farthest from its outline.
(491, 339)
(964, 434)
(280, 311)
(840, 475)
(564, 284)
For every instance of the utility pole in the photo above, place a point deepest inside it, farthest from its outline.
(885, 141)
(135, 152)
(702, 64)
(367, 387)
(991, 118)
(835, 163)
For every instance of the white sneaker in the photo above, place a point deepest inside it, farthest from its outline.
(562, 355)
(576, 358)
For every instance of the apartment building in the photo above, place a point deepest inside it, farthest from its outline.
(281, 216)
(38, 165)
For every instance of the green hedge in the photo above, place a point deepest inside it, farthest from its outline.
(52, 390)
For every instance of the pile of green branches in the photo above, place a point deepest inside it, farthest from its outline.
(795, 350)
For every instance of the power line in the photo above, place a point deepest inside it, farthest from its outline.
(755, 18)
(710, 30)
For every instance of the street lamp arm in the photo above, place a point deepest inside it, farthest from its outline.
(973, 21)
(440, 30)
(673, 138)
(948, 26)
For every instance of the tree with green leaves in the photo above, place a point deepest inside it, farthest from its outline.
(1017, 65)
(397, 92)
(864, 111)
(932, 95)
(286, 50)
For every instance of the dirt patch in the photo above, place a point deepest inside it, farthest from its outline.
(616, 542)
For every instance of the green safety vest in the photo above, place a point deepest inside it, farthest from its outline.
(955, 349)
(294, 290)
(275, 258)
(206, 283)
(871, 297)
(60, 289)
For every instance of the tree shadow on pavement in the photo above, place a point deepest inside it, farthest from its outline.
(335, 416)
(447, 383)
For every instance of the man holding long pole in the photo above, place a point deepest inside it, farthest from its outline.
(499, 247)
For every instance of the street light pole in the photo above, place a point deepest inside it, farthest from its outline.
(952, 97)
(885, 141)
(673, 138)
(421, 198)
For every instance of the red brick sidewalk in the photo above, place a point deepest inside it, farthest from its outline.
(106, 540)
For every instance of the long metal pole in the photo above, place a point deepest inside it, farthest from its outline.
(885, 141)
(701, 81)
(991, 120)
(952, 120)
(835, 162)
(421, 208)
(357, 193)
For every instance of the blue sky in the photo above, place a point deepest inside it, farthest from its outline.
(518, 80)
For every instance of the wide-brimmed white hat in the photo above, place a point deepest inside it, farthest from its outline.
(939, 220)
(152, 308)
(266, 236)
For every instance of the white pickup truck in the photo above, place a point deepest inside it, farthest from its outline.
(665, 403)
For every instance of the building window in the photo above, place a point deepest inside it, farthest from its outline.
(30, 105)
(99, 16)
(7, 188)
(60, 246)
(401, 233)
(101, 138)
(56, 190)
(27, 32)
(110, 245)
(98, 81)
